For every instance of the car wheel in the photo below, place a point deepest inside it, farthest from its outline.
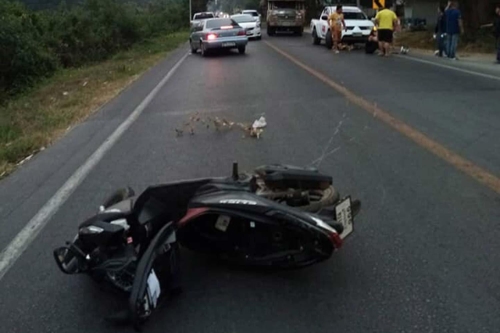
(193, 49)
(328, 40)
(242, 49)
(203, 50)
(299, 31)
(316, 40)
(270, 31)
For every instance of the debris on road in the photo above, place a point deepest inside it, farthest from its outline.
(219, 124)
(260, 123)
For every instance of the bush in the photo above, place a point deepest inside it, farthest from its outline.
(35, 44)
(23, 55)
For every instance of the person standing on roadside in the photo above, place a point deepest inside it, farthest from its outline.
(496, 30)
(454, 27)
(440, 32)
(387, 21)
(337, 22)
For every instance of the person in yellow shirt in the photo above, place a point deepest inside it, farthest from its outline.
(336, 20)
(386, 21)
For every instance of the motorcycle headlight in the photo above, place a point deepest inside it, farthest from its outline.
(91, 229)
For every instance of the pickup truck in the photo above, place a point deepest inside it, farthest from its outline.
(198, 17)
(358, 26)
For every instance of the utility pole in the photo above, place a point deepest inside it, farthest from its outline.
(190, 14)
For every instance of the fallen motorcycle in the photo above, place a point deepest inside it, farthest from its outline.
(278, 216)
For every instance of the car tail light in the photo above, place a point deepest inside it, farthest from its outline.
(242, 33)
(211, 36)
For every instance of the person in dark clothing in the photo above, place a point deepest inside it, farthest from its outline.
(454, 27)
(496, 30)
(440, 31)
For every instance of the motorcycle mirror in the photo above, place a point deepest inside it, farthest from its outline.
(235, 170)
(66, 260)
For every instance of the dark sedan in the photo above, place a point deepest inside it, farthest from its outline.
(218, 33)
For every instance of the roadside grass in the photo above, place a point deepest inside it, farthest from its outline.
(33, 120)
(481, 43)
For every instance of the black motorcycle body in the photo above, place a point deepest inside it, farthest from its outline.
(133, 242)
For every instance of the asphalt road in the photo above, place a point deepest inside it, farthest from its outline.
(425, 255)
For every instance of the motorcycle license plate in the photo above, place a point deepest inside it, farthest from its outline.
(228, 44)
(344, 215)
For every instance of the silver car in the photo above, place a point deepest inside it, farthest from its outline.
(218, 33)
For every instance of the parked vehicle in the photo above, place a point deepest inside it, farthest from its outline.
(252, 12)
(218, 33)
(250, 23)
(279, 216)
(198, 17)
(285, 15)
(358, 26)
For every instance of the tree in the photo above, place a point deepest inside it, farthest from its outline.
(198, 6)
(475, 13)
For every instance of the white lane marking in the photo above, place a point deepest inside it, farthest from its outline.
(24, 238)
(492, 77)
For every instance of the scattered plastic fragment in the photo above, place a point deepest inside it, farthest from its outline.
(220, 124)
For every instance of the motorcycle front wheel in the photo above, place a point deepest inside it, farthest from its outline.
(117, 196)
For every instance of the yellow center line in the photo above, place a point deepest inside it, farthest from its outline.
(479, 174)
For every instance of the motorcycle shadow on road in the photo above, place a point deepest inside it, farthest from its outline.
(214, 286)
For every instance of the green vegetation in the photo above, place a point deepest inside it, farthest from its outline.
(34, 45)
(58, 67)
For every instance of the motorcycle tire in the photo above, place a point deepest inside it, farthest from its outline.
(329, 197)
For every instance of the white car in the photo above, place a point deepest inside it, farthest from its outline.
(250, 23)
(359, 27)
(252, 12)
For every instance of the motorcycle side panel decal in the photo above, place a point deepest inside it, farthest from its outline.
(153, 288)
(238, 202)
(222, 223)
